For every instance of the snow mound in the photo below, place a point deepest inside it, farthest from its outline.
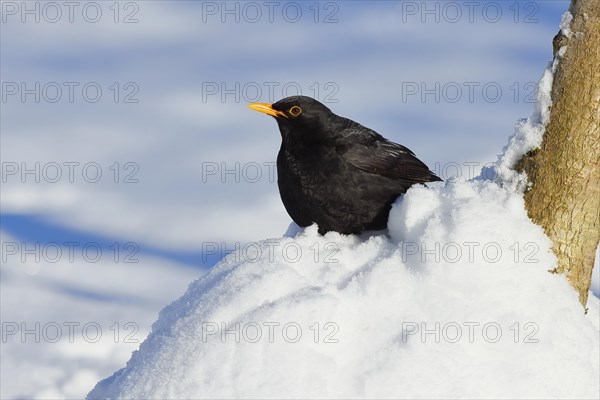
(455, 302)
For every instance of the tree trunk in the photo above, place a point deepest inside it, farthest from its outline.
(565, 172)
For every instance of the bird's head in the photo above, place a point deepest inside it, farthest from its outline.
(300, 118)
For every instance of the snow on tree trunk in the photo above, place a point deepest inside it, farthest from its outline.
(565, 171)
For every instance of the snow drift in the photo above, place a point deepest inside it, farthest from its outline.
(454, 301)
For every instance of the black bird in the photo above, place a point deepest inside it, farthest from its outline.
(335, 172)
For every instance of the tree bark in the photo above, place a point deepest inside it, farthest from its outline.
(565, 171)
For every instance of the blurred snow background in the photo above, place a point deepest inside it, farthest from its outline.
(162, 199)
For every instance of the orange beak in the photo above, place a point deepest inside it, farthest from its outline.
(267, 109)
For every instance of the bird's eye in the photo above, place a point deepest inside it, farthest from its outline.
(295, 111)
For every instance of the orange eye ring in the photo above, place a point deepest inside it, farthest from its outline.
(295, 111)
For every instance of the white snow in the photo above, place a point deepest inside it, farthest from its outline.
(456, 302)
(565, 24)
(65, 325)
(528, 131)
(527, 135)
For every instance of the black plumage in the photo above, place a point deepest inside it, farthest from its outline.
(335, 172)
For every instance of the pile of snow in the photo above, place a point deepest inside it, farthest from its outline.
(456, 302)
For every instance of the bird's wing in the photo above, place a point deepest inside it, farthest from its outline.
(374, 154)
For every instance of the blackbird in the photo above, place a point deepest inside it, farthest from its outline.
(335, 172)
